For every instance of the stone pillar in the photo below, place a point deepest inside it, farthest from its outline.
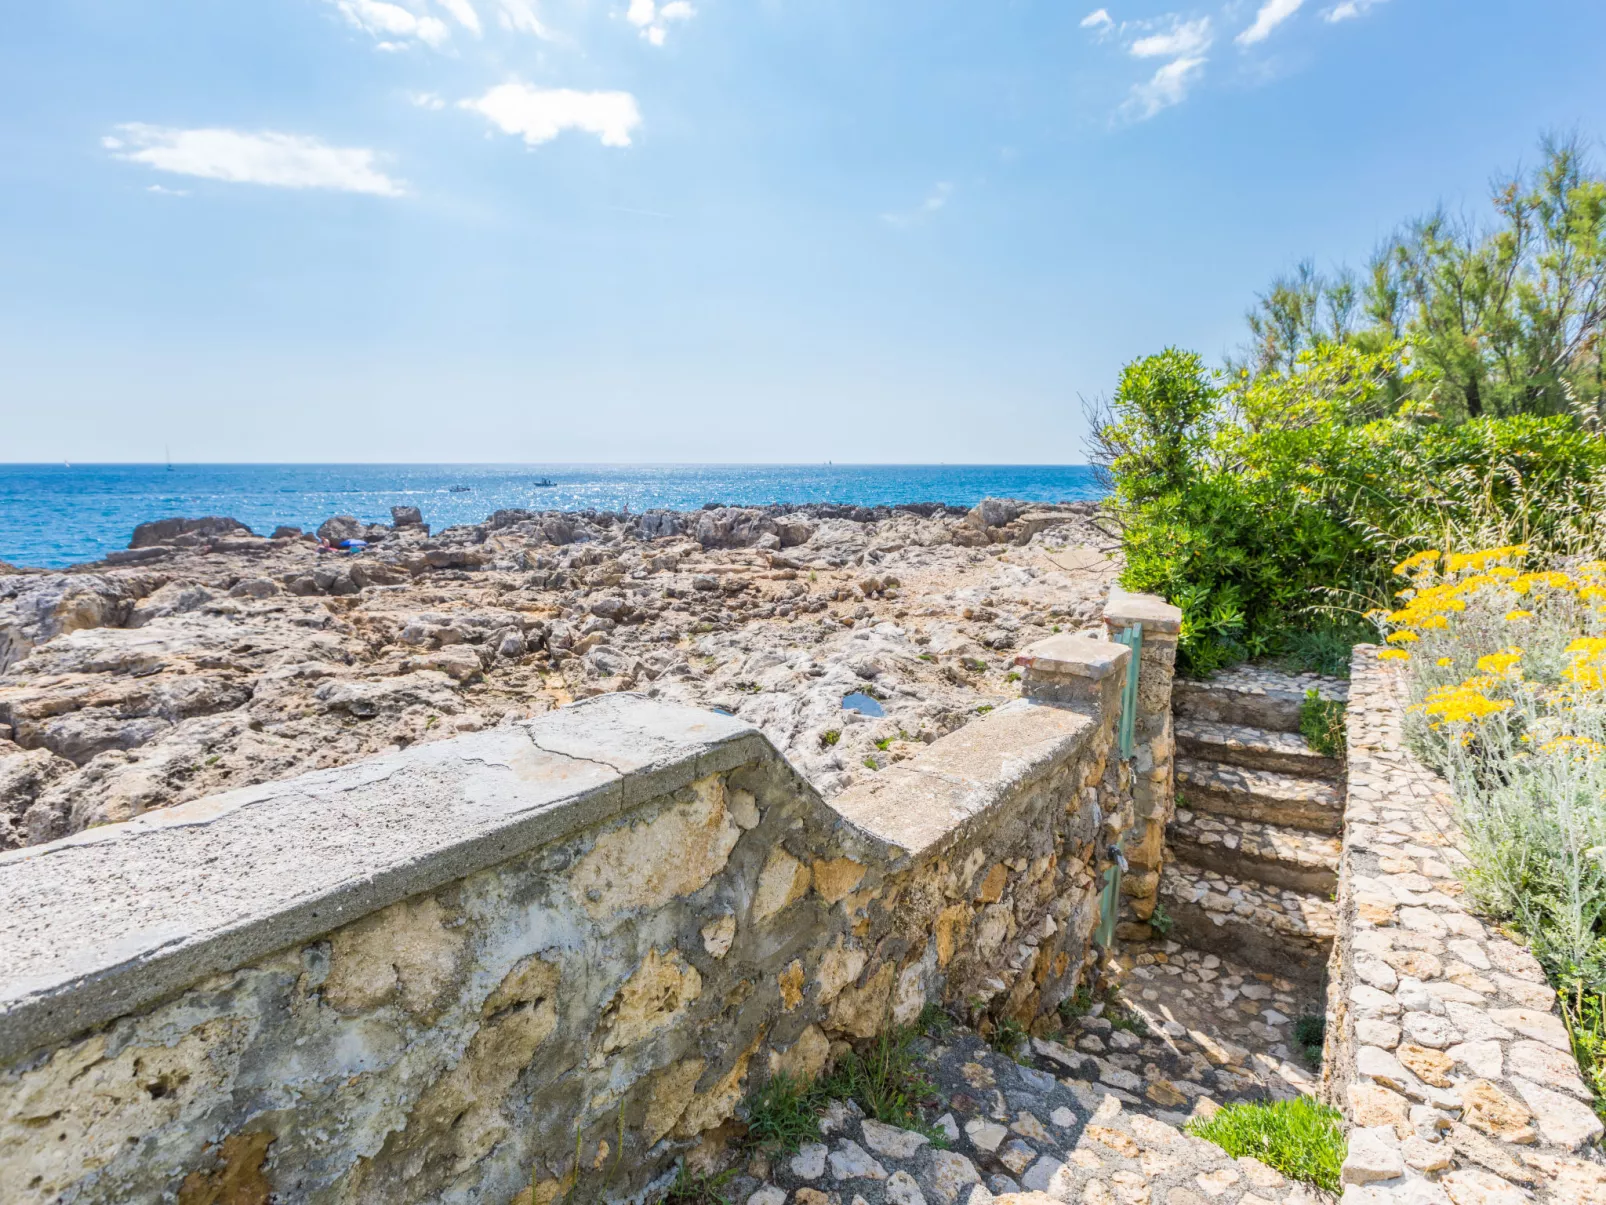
(1154, 791)
(1075, 670)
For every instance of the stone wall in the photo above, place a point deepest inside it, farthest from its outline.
(533, 963)
(1444, 1049)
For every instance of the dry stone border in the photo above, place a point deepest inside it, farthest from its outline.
(1444, 1049)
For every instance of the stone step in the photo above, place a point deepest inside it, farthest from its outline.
(1253, 748)
(1252, 696)
(1262, 853)
(1261, 795)
(1284, 932)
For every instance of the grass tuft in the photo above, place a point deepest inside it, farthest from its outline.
(886, 1080)
(784, 1114)
(1321, 722)
(1300, 1138)
(689, 1189)
(1310, 1032)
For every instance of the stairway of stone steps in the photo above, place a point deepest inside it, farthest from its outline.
(1253, 851)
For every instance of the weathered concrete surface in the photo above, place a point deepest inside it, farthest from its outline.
(95, 925)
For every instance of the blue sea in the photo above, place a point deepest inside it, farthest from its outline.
(55, 515)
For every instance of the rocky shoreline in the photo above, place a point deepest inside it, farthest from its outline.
(206, 657)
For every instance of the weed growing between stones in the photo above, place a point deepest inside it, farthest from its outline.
(1009, 1038)
(1311, 1032)
(1300, 1138)
(1160, 920)
(1321, 723)
(690, 1189)
(1078, 1004)
(886, 1081)
(784, 1114)
(934, 1022)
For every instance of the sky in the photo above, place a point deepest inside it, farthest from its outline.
(704, 231)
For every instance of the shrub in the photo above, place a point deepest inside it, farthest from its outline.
(1310, 1032)
(1269, 509)
(1300, 1138)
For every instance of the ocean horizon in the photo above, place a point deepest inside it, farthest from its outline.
(56, 515)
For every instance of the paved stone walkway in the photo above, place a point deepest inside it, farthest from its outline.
(1092, 1118)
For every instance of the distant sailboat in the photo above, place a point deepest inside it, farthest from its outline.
(168, 449)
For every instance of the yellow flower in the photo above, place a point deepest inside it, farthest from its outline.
(1461, 704)
(1444, 661)
(1500, 663)
(1420, 560)
(1393, 655)
(1513, 616)
(1404, 638)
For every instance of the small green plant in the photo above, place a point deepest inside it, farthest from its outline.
(830, 737)
(1009, 1038)
(690, 1189)
(984, 709)
(1121, 1017)
(934, 1022)
(1056, 629)
(1310, 1031)
(1160, 920)
(1321, 722)
(1076, 1005)
(1012, 676)
(886, 1081)
(928, 656)
(784, 1114)
(1300, 1138)
(1324, 650)
(870, 764)
(974, 664)
(884, 743)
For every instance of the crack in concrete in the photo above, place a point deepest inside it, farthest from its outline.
(595, 761)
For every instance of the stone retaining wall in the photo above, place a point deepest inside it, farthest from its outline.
(534, 963)
(1444, 1049)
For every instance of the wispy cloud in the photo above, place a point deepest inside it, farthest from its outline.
(463, 12)
(1184, 38)
(1349, 10)
(1099, 18)
(427, 100)
(1272, 14)
(540, 114)
(1166, 87)
(393, 24)
(652, 19)
(163, 191)
(240, 157)
(520, 16)
(935, 200)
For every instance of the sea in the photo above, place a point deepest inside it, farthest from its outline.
(61, 514)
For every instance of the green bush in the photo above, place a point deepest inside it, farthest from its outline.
(1300, 1138)
(1271, 509)
(784, 1114)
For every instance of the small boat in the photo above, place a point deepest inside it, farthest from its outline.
(545, 483)
(461, 489)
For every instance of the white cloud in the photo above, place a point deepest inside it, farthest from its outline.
(427, 100)
(463, 12)
(1184, 39)
(541, 114)
(392, 21)
(282, 160)
(1168, 86)
(1272, 14)
(651, 18)
(520, 16)
(167, 192)
(1099, 18)
(935, 200)
(1348, 10)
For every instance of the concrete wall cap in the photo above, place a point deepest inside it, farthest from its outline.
(1075, 653)
(1155, 614)
(97, 925)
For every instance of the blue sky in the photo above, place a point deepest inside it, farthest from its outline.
(773, 230)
